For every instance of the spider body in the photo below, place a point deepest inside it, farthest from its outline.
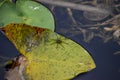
(59, 42)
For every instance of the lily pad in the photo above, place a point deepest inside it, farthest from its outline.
(27, 12)
(50, 55)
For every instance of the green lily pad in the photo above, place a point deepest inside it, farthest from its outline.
(27, 12)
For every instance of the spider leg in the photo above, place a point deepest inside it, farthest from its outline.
(65, 43)
(62, 46)
(52, 43)
(57, 46)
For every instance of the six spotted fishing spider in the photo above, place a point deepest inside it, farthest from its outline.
(59, 41)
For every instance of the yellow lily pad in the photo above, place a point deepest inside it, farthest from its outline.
(50, 55)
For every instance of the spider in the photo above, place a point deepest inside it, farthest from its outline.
(59, 41)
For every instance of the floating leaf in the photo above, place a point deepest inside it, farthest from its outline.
(27, 12)
(50, 55)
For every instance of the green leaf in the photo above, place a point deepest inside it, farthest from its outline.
(27, 12)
